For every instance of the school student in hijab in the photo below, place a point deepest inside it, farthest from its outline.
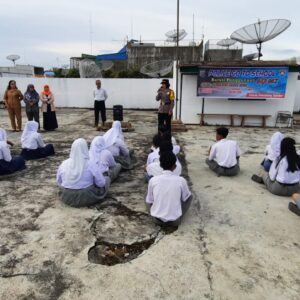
(31, 99)
(155, 169)
(101, 157)
(114, 140)
(8, 164)
(33, 146)
(295, 207)
(12, 98)
(224, 155)
(48, 109)
(81, 182)
(168, 197)
(272, 150)
(284, 175)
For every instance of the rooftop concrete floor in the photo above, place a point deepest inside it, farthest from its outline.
(237, 241)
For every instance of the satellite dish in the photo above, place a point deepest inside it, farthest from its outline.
(157, 69)
(104, 65)
(250, 56)
(260, 32)
(13, 58)
(226, 42)
(172, 35)
(89, 69)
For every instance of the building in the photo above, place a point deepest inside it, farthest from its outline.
(22, 71)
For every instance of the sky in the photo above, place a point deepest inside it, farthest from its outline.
(47, 33)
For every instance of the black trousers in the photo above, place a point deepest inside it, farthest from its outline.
(99, 106)
(165, 119)
(33, 115)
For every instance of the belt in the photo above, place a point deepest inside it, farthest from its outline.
(228, 168)
(288, 184)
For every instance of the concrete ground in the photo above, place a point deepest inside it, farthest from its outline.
(237, 241)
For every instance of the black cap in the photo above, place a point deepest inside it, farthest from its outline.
(165, 81)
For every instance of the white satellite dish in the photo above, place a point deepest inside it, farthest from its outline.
(157, 69)
(104, 65)
(260, 32)
(226, 42)
(172, 35)
(250, 56)
(89, 69)
(13, 58)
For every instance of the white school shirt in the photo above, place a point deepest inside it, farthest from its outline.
(106, 160)
(5, 151)
(91, 175)
(100, 94)
(119, 148)
(153, 156)
(281, 174)
(165, 193)
(34, 141)
(225, 152)
(154, 169)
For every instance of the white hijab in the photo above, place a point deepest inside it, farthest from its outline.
(113, 134)
(97, 146)
(3, 137)
(30, 132)
(274, 149)
(74, 166)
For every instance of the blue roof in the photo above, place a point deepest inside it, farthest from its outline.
(121, 55)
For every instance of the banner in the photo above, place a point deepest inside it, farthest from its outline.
(247, 82)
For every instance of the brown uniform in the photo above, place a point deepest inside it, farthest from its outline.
(12, 100)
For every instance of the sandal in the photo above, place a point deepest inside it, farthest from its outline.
(257, 179)
(294, 208)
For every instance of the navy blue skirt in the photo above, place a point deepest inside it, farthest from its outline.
(29, 154)
(17, 163)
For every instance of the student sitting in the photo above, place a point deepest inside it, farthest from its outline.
(284, 175)
(80, 181)
(272, 150)
(168, 196)
(155, 169)
(295, 208)
(166, 135)
(114, 140)
(33, 146)
(103, 158)
(224, 155)
(8, 164)
(154, 155)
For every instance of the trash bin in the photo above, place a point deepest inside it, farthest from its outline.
(118, 113)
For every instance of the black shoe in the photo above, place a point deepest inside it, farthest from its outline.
(257, 179)
(294, 208)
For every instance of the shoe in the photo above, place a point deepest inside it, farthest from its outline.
(257, 179)
(294, 208)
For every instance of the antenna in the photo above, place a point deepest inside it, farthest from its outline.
(91, 32)
(13, 58)
(250, 56)
(157, 69)
(172, 35)
(90, 69)
(260, 32)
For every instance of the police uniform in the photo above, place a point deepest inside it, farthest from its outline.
(166, 97)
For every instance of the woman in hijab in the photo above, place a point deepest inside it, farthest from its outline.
(8, 164)
(272, 150)
(103, 159)
(31, 99)
(48, 109)
(284, 175)
(81, 182)
(114, 140)
(33, 146)
(12, 99)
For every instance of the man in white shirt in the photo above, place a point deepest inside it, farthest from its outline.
(168, 196)
(100, 96)
(224, 155)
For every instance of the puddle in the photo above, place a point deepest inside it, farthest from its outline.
(122, 234)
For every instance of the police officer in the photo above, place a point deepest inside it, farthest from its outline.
(166, 96)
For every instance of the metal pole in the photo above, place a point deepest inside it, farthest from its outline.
(177, 60)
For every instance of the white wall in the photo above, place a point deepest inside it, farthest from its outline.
(78, 92)
(191, 105)
(297, 98)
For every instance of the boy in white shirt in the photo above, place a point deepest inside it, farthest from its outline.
(168, 196)
(224, 155)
